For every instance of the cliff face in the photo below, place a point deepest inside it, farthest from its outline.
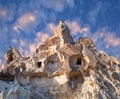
(61, 69)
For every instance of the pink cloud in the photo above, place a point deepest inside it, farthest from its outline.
(25, 22)
(51, 26)
(57, 5)
(94, 12)
(32, 48)
(96, 36)
(111, 39)
(3, 12)
(76, 28)
(14, 40)
(28, 52)
(25, 19)
(70, 3)
(7, 14)
(108, 38)
(22, 43)
(27, 48)
(40, 37)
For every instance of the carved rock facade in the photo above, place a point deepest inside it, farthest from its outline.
(61, 69)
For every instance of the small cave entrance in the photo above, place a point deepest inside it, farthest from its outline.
(39, 64)
(10, 58)
(76, 62)
(79, 61)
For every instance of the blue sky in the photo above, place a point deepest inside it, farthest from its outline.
(26, 23)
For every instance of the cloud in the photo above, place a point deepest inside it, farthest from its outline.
(7, 13)
(40, 37)
(25, 22)
(97, 35)
(26, 19)
(3, 13)
(112, 39)
(32, 48)
(51, 26)
(106, 38)
(57, 5)
(70, 3)
(76, 28)
(30, 51)
(22, 43)
(14, 40)
(27, 48)
(94, 12)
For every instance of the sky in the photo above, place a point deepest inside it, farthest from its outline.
(26, 23)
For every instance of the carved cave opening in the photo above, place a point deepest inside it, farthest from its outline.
(39, 64)
(79, 61)
(76, 62)
(10, 58)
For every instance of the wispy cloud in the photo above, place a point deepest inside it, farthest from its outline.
(71, 3)
(3, 12)
(77, 28)
(14, 40)
(106, 40)
(22, 43)
(51, 26)
(40, 37)
(94, 13)
(106, 37)
(32, 48)
(25, 22)
(30, 51)
(57, 5)
(112, 39)
(7, 13)
(22, 21)
(27, 48)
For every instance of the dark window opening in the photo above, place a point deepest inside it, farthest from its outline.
(10, 58)
(79, 61)
(39, 64)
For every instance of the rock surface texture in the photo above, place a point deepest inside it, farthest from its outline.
(61, 69)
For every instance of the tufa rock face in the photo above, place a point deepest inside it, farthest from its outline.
(61, 69)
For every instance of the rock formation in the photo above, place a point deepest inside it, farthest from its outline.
(61, 69)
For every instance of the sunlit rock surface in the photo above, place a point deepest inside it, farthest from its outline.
(61, 69)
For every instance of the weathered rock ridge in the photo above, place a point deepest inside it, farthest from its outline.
(61, 69)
